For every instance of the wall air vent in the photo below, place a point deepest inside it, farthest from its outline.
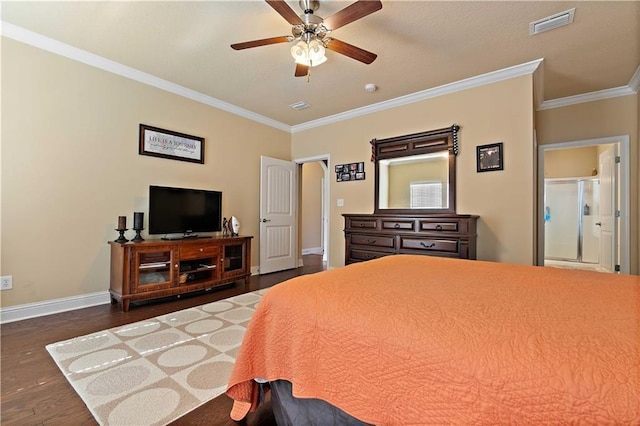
(300, 105)
(551, 22)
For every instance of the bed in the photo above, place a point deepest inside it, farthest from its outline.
(421, 340)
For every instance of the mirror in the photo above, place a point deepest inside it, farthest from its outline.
(416, 173)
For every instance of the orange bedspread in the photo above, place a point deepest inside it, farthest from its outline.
(418, 340)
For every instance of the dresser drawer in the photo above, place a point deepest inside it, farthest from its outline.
(444, 225)
(430, 244)
(356, 255)
(373, 240)
(398, 225)
(196, 251)
(364, 223)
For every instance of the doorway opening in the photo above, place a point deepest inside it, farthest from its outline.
(314, 209)
(583, 200)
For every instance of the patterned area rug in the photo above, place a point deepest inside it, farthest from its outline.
(154, 371)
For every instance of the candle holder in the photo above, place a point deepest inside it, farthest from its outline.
(121, 239)
(137, 238)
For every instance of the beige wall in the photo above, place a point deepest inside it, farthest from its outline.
(500, 112)
(70, 167)
(599, 119)
(311, 205)
(571, 162)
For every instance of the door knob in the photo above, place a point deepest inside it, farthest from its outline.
(598, 223)
(266, 220)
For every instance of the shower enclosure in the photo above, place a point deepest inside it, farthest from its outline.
(571, 228)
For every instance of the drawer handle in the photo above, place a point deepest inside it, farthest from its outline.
(201, 249)
(371, 241)
(427, 245)
(397, 225)
(439, 227)
(362, 225)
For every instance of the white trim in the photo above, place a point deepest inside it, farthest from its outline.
(54, 46)
(480, 80)
(53, 306)
(326, 196)
(312, 250)
(533, 67)
(255, 270)
(624, 236)
(634, 83)
(36, 40)
(587, 97)
(538, 87)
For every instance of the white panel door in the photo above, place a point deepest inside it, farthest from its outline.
(278, 214)
(608, 202)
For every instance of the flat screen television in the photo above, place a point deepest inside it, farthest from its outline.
(184, 211)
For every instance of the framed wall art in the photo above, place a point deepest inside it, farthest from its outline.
(350, 171)
(489, 157)
(163, 143)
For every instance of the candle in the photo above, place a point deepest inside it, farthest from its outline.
(137, 220)
(122, 222)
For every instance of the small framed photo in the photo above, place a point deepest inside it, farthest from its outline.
(360, 176)
(489, 157)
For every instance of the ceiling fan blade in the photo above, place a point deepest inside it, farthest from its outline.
(262, 42)
(301, 70)
(351, 13)
(285, 11)
(351, 51)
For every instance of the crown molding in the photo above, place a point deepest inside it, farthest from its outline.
(634, 83)
(533, 67)
(54, 46)
(468, 83)
(587, 97)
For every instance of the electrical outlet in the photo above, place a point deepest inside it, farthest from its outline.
(6, 282)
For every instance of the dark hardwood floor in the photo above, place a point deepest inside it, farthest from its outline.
(34, 391)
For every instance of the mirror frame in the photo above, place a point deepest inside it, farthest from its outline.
(432, 141)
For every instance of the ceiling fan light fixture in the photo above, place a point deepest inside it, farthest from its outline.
(310, 54)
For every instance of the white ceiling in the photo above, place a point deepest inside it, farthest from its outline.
(420, 45)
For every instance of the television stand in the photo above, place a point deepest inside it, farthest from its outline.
(153, 269)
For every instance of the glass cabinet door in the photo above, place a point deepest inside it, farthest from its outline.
(153, 269)
(233, 260)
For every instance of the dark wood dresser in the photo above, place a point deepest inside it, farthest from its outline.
(369, 236)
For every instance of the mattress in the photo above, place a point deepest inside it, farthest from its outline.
(421, 340)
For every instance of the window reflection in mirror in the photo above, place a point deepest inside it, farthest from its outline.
(414, 182)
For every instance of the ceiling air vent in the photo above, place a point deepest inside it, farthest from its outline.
(300, 105)
(551, 22)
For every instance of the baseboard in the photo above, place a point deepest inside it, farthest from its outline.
(54, 306)
(313, 250)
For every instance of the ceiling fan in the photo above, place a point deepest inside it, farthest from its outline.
(312, 33)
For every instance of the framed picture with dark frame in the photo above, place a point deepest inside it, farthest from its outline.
(162, 143)
(350, 172)
(489, 157)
